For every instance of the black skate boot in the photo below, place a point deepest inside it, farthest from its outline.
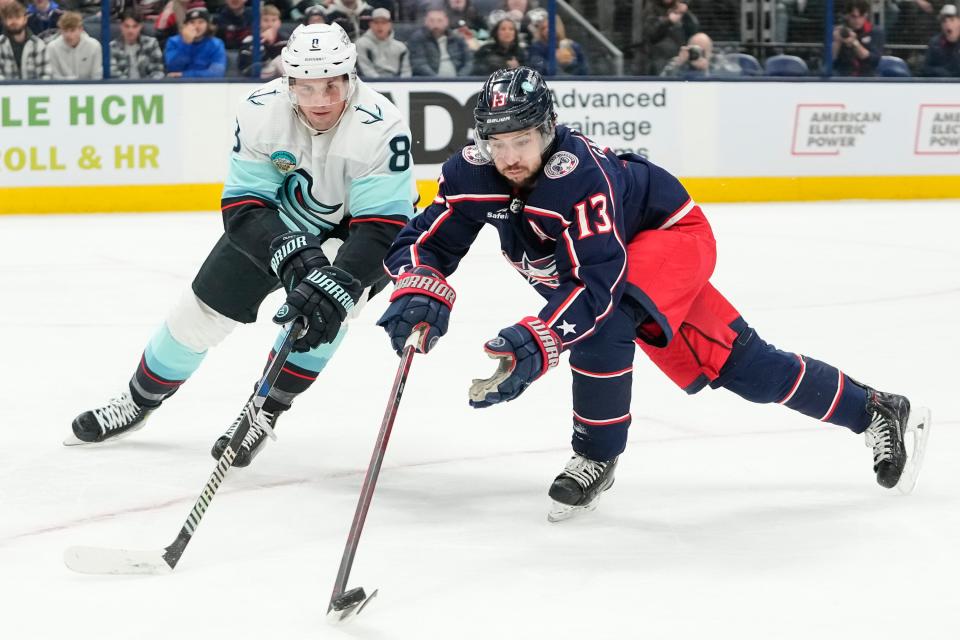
(579, 487)
(119, 418)
(888, 425)
(252, 443)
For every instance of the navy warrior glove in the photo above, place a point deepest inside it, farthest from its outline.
(421, 298)
(526, 351)
(324, 298)
(293, 255)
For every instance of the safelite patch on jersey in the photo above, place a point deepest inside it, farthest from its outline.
(284, 161)
(560, 164)
(472, 155)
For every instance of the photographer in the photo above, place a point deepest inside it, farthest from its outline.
(697, 60)
(857, 43)
(667, 24)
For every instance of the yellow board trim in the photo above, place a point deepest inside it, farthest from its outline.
(206, 197)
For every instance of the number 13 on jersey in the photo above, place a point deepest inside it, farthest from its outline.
(598, 206)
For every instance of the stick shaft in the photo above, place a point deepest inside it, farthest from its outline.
(175, 550)
(373, 472)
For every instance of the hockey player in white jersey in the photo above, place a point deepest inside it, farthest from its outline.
(320, 183)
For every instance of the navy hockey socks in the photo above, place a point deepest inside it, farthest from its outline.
(759, 372)
(601, 412)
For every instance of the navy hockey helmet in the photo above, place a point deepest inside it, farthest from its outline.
(514, 100)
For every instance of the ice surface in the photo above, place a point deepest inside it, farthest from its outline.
(728, 520)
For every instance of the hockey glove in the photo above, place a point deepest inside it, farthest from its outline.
(422, 298)
(526, 351)
(293, 255)
(324, 298)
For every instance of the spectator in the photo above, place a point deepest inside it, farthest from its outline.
(379, 54)
(42, 17)
(571, 60)
(315, 14)
(462, 13)
(298, 12)
(352, 15)
(133, 55)
(916, 19)
(234, 23)
(503, 51)
(437, 51)
(516, 9)
(273, 38)
(74, 55)
(23, 56)
(667, 26)
(170, 20)
(857, 43)
(195, 53)
(149, 10)
(697, 60)
(943, 52)
(467, 22)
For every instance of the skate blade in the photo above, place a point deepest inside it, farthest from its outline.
(349, 605)
(73, 441)
(560, 512)
(915, 441)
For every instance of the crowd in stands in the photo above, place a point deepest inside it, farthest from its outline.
(433, 38)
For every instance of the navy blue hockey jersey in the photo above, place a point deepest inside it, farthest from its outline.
(567, 235)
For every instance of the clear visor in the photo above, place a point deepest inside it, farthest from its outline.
(317, 92)
(513, 145)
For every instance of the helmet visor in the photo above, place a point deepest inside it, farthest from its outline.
(317, 92)
(507, 146)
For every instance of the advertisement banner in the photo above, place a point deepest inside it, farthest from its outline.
(731, 140)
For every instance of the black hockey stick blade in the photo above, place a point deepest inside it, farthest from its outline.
(347, 606)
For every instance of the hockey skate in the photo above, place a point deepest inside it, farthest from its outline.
(118, 419)
(578, 488)
(253, 442)
(898, 437)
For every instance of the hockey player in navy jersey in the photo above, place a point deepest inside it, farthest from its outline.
(623, 257)
(320, 183)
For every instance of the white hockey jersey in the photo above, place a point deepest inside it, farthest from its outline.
(362, 168)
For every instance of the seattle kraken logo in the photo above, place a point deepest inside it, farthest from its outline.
(296, 200)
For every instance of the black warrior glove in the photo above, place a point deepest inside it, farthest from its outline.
(324, 298)
(293, 255)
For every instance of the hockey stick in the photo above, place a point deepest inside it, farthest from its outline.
(344, 605)
(98, 560)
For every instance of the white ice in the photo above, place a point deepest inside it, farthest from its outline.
(728, 519)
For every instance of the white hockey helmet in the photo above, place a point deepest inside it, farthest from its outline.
(319, 51)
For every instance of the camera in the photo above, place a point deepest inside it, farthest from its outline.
(694, 53)
(845, 32)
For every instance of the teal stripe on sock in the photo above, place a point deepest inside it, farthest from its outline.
(315, 359)
(168, 358)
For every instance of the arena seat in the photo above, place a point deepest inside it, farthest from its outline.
(749, 66)
(893, 67)
(783, 65)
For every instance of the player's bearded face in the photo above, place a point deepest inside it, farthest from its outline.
(321, 100)
(517, 155)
